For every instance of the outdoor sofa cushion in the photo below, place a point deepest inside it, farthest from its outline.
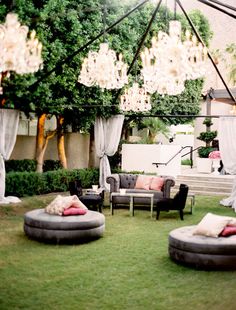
(211, 225)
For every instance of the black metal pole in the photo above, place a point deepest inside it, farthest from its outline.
(140, 44)
(224, 5)
(144, 37)
(217, 8)
(70, 57)
(208, 54)
(191, 156)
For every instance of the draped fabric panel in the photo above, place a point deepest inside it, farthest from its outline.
(227, 146)
(107, 133)
(9, 120)
(227, 143)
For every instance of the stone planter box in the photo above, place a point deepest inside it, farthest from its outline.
(204, 165)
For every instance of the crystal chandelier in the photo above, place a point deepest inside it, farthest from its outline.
(17, 53)
(135, 99)
(103, 69)
(169, 62)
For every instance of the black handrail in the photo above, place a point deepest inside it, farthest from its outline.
(182, 148)
(191, 154)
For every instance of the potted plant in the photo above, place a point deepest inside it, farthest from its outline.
(203, 162)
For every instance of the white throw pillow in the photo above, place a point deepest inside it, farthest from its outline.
(211, 225)
(61, 203)
(232, 221)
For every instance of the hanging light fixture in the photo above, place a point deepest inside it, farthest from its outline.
(169, 62)
(103, 69)
(135, 99)
(17, 53)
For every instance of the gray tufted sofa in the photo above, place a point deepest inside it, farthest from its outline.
(127, 181)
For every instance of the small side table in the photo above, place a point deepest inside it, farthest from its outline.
(93, 199)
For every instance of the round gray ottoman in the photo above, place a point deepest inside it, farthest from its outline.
(202, 252)
(42, 226)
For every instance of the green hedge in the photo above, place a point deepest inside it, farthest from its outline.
(32, 183)
(14, 165)
(28, 165)
(50, 165)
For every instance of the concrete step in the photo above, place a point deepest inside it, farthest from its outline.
(208, 189)
(206, 184)
(221, 179)
(203, 185)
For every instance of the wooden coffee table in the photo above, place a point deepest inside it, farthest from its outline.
(132, 196)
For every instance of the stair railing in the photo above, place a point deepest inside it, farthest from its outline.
(182, 148)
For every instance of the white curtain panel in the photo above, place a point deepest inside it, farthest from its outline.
(107, 133)
(9, 120)
(227, 146)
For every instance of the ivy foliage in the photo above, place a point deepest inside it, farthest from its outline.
(64, 26)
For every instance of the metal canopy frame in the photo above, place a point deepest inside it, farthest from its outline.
(209, 3)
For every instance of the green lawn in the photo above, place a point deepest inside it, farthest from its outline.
(128, 268)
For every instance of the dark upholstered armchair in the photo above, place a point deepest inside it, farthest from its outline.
(176, 203)
(128, 181)
(75, 188)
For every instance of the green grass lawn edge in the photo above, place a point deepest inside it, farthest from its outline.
(128, 268)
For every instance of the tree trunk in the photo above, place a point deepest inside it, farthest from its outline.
(61, 142)
(151, 136)
(92, 151)
(41, 141)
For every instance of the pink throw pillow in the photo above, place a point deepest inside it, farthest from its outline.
(74, 211)
(228, 231)
(143, 182)
(157, 183)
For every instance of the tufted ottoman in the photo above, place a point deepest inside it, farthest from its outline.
(42, 226)
(202, 252)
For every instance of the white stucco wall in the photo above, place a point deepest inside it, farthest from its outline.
(139, 157)
(76, 146)
(24, 148)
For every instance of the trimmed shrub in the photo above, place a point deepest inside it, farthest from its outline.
(204, 151)
(88, 177)
(32, 183)
(20, 165)
(51, 165)
(30, 165)
(25, 184)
